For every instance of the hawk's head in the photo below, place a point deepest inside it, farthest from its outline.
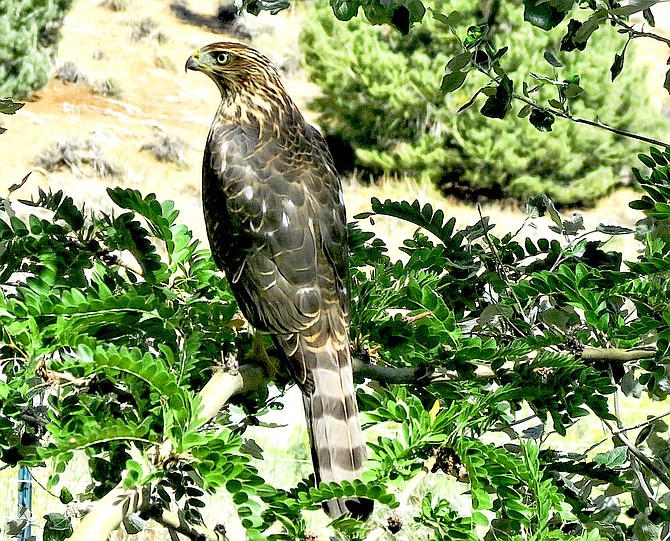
(234, 67)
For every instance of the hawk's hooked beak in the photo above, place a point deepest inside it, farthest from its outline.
(192, 63)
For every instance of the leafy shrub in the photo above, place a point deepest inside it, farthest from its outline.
(29, 30)
(381, 93)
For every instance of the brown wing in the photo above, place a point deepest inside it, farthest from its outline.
(277, 226)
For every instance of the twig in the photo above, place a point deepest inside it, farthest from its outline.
(595, 124)
(176, 523)
(660, 474)
(640, 425)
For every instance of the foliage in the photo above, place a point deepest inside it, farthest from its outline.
(402, 123)
(29, 32)
(8, 107)
(106, 342)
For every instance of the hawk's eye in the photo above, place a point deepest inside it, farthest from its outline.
(221, 58)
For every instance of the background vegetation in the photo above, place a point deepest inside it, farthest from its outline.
(29, 33)
(382, 96)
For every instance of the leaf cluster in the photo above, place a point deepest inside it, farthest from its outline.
(29, 32)
(498, 326)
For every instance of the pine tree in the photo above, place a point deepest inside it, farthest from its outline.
(29, 32)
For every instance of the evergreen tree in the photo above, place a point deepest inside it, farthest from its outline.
(29, 32)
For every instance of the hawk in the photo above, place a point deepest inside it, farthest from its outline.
(276, 225)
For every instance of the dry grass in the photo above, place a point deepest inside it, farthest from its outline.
(108, 87)
(166, 148)
(115, 5)
(70, 152)
(146, 29)
(69, 72)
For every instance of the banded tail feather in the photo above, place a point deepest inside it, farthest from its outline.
(336, 440)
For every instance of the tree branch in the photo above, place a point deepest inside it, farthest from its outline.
(617, 355)
(593, 123)
(109, 512)
(660, 474)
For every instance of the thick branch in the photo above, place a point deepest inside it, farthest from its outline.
(617, 355)
(110, 511)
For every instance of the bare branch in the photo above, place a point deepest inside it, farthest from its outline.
(617, 355)
(660, 473)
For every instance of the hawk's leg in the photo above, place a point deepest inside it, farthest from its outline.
(258, 355)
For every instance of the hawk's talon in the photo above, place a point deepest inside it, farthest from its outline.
(258, 356)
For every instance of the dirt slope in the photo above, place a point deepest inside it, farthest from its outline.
(157, 97)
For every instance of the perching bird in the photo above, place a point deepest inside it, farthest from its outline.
(276, 225)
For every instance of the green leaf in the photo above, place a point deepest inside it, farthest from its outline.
(423, 216)
(470, 101)
(649, 17)
(525, 111)
(497, 105)
(452, 81)
(475, 35)
(542, 14)
(658, 156)
(57, 527)
(643, 435)
(569, 42)
(65, 496)
(542, 120)
(459, 61)
(617, 65)
(345, 9)
(614, 230)
(572, 91)
(9, 107)
(614, 458)
(646, 160)
(549, 57)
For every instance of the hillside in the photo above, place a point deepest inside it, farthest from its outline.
(156, 98)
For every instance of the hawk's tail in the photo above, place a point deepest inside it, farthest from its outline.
(336, 438)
